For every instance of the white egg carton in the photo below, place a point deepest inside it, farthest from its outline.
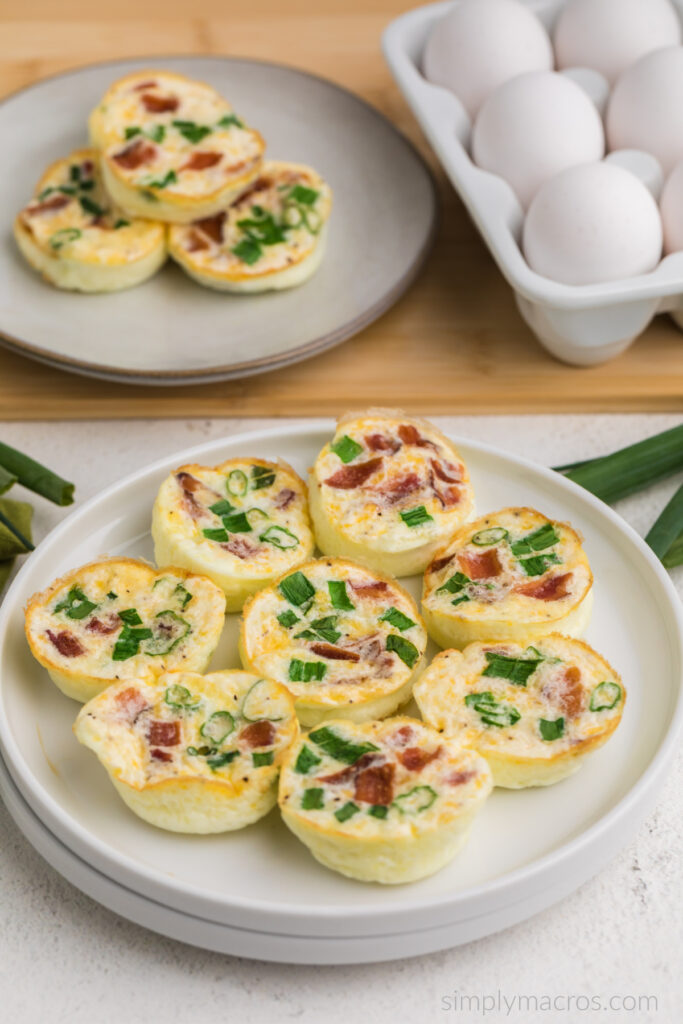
(583, 325)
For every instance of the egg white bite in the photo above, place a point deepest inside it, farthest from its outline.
(192, 753)
(242, 523)
(534, 713)
(389, 801)
(344, 640)
(388, 490)
(511, 575)
(78, 239)
(172, 148)
(272, 237)
(120, 619)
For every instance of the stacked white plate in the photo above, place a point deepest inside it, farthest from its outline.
(258, 893)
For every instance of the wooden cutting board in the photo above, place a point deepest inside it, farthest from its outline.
(454, 343)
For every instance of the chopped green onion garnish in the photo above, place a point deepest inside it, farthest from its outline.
(420, 798)
(75, 172)
(517, 670)
(312, 800)
(378, 811)
(407, 652)
(297, 588)
(537, 565)
(397, 619)
(460, 600)
(605, 696)
(63, 237)
(491, 711)
(168, 629)
(90, 206)
(128, 643)
(306, 671)
(237, 483)
(262, 228)
(194, 133)
(222, 507)
(76, 605)
(287, 618)
(183, 595)
(326, 628)
(229, 121)
(416, 516)
(121, 223)
(457, 582)
(279, 537)
(346, 448)
(35, 477)
(130, 617)
(215, 761)
(544, 537)
(338, 596)
(170, 178)
(339, 748)
(218, 726)
(347, 811)
(259, 759)
(132, 130)
(177, 696)
(157, 133)
(220, 536)
(112, 596)
(248, 251)
(302, 194)
(551, 730)
(485, 538)
(237, 523)
(306, 760)
(261, 476)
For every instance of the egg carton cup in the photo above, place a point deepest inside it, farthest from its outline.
(579, 324)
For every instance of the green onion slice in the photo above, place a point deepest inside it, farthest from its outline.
(312, 799)
(537, 565)
(261, 702)
(457, 582)
(220, 536)
(397, 619)
(237, 483)
(485, 538)
(248, 250)
(76, 605)
(339, 748)
(230, 121)
(419, 799)
(605, 696)
(177, 696)
(191, 131)
(338, 596)
(407, 652)
(63, 237)
(128, 642)
(130, 616)
(297, 588)
(288, 618)
(215, 761)
(261, 758)
(306, 760)
(222, 507)
(346, 812)
(168, 630)
(491, 711)
(416, 516)
(378, 811)
(346, 448)
(237, 522)
(280, 537)
(544, 537)
(183, 595)
(551, 730)
(218, 726)
(262, 476)
(517, 670)
(306, 671)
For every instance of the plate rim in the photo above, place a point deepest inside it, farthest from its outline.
(619, 815)
(253, 367)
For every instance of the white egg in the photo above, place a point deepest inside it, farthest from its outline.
(671, 208)
(610, 35)
(646, 107)
(480, 44)
(535, 126)
(592, 223)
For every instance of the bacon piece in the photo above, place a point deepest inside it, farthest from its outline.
(159, 104)
(442, 470)
(382, 443)
(565, 689)
(87, 168)
(149, 84)
(104, 628)
(258, 734)
(334, 653)
(138, 153)
(395, 490)
(370, 649)
(201, 160)
(440, 563)
(260, 185)
(188, 482)
(66, 643)
(369, 589)
(240, 165)
(480, 565)
(351, 770)
(411, 435)
(375, 785)
(130, 702)
(189, 485)
(354, 476)
(414, 759)
(240, 547)
(403, 736)
(448, 496)
(550, 588)
(285, 498)
(51, 203)
(196, 242)
(460, 778)
(212, 226)
(160, 755)
(163, 734)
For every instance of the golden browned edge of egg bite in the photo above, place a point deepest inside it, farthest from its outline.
(79, 249)
(238, 580)
(82, 685)
(447, 681)
(159, 766)
(375, 701)
(408, 841)
(456, 626)
(414, 557)
(174, 207)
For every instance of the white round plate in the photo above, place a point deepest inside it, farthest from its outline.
(528, 849)
(170, 330)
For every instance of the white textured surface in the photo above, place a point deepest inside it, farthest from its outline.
(63, 958)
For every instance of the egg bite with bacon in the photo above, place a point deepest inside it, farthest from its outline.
(534, 713)
(77, 238)
(192, 753)
(511, 575)
(387, 491)
(242, 523)
(172, 148)
(120, 619)
(272, 237)
(345, 641)
(388, 802)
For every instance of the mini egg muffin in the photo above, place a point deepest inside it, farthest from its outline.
(345, 641)
(192, 753)
(242, 523)
(78, 239)
(387, 802)
(512, 575)
(120, 619)
(272, 237)
(534, 713)
(388, 491)
(172, 148)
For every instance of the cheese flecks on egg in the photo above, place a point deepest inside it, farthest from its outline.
(389, 801)
(533, 713)
(242, 523)
(120, 619)
(388, 490)
(511, 575)
(344, 641)
(272, 237)
(78, 239)
(192, 753)
(172, 148)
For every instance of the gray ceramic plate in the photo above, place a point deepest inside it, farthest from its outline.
(172, 331)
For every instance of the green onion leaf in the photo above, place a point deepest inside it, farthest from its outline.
(537, 565)
(222, 507)
(517, 670)
(544, 537)
(338, 596)
(280, 537)
(407, 652)
(297, 588)
(337, 747)
(378, 811)
(457, 582)
(551, 730)
(287, 618)
(312, 800)
(347, 811)
(306, 671)
(128, 643)
(668, 526)
(220, 536)
(416, 516)
(397, 619)
(237, 523)
(130, 617)
(261, 477)
(306, 760)
(346, 448)
(259, 759)
(605, 696)
(35, 477)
